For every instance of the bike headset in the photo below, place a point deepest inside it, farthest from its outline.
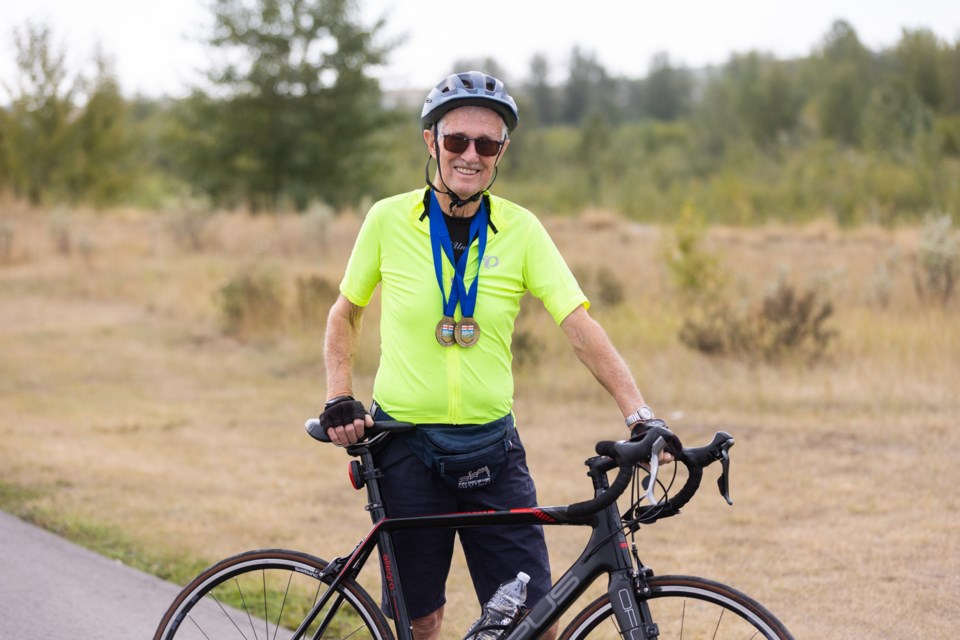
(471, 88)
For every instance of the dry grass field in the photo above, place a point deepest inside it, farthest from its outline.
(125, 408)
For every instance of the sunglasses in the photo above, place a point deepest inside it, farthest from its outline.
(458, 143)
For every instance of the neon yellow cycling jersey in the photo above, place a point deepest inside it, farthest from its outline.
(420, 380)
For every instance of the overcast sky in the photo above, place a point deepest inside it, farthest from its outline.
(154, 44)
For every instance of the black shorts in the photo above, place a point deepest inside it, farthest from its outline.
(494, 554)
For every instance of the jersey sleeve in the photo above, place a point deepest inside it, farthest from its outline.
(363, 268)
(548, 277)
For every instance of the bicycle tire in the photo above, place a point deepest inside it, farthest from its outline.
(264, 595)
(685, 607)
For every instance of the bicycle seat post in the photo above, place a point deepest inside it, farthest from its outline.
(371, 475)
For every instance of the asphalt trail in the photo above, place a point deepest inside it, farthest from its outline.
(51, 589)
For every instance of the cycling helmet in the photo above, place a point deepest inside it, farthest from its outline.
(472, 88)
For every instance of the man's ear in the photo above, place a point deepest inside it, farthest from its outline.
(503, 150)
(430, 139)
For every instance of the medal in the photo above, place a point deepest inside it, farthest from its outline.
(446, 329)
(467, 332)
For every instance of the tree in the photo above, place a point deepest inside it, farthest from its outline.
(104, 170)
(667, 90)
(292, 111)
(894, 117)
(843, 74)
(918, 58)
(588, 88)
(543, 96)
(36, 132)
(767, 101)
(66, 137)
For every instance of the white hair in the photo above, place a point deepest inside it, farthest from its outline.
(441, 129)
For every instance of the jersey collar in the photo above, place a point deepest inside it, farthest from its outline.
(418, 215)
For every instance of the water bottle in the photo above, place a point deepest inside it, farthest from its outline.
(500, 609)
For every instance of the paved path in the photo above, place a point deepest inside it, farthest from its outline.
(51, 589)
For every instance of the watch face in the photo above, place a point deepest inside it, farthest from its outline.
(645, 412)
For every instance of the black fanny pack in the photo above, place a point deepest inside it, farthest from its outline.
(465, 456)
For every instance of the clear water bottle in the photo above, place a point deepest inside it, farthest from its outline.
(500, 609)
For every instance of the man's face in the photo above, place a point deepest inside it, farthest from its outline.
(468, 172)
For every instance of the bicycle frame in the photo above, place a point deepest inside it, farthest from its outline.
(606, 552)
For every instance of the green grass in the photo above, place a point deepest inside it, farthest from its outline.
(108, 541)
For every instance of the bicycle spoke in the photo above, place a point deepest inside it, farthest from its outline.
(278, 589)
(283, 604)
(685, 608)
(719, 620)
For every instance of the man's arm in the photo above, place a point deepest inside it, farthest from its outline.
(594, 349)
(340, 346)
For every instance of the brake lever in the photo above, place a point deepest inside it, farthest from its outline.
(658, 446)
(723, 482)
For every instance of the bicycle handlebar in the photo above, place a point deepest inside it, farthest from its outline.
(623, 454)
(317, 432)
(626, 455)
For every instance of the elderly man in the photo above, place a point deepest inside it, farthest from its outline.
(453, 262)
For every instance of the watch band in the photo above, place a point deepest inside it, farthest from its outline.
(642, 414)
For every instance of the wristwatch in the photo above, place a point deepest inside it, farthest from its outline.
(642, 414)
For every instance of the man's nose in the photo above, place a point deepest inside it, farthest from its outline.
(470, 153)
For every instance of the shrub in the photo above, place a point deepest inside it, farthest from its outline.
(785, 323)
(190, 230)
(880, 286)
(315, 296)
(601, 285)
(6, 241)
(526, 348)
(937, 263)
(251, 303)
(694, 271)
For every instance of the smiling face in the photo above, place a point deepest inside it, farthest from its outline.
(468, 172)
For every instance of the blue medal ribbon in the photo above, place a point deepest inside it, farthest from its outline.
(440, 242)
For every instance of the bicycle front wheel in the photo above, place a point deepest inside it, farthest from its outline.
(685, 608)
(267, 594)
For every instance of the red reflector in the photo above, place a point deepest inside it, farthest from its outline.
(356, 475)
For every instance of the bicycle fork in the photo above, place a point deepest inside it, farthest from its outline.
(632, 614)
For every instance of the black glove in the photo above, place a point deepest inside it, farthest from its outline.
(341, 411)
(641, 429)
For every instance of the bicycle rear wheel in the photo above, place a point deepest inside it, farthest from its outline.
(265, 595)
(685, 608)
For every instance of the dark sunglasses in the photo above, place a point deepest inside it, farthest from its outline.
(458, 143)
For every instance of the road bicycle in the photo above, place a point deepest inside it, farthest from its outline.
(273, 593)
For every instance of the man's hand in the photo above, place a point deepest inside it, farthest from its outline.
(672, 451)
(345, 420)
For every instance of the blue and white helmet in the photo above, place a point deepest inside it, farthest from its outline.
(472, 88)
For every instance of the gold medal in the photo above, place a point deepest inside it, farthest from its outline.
(446, 329)
(467, 332)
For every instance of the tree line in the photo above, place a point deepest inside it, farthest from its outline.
(290, 115)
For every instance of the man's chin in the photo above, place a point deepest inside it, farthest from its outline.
(465, 190)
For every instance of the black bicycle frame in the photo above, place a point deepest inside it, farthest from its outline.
(606, 552)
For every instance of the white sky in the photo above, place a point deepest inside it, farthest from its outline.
(155, 50)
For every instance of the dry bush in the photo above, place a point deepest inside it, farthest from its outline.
(251, 303)
(315, 295)
(601, 285)
(190, 230)
(881, 284)
(7, 234)
(937, 263)
(787, 323)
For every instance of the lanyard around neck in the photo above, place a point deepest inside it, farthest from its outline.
(442, 245)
